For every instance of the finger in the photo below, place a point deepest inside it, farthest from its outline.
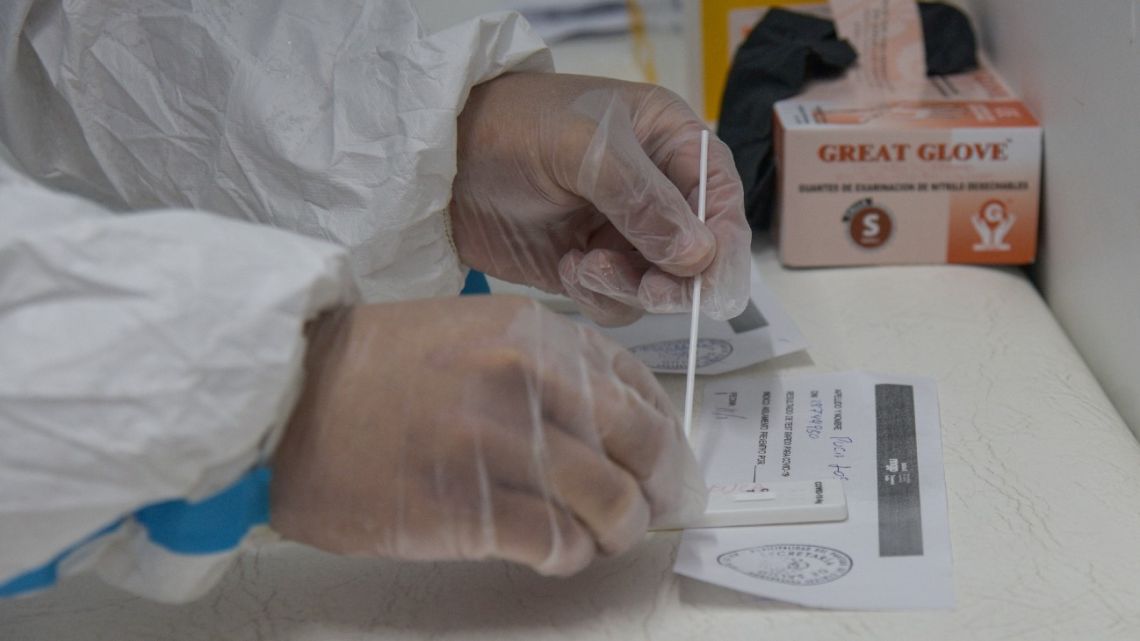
(620, 273)
(641, 380)
(619, 399)
(606, 236)
(613, 274)
(655, 467)
(722, 284)
(662, 293)
(571, 382)
(619, 179)
(672, 478)
(674, 482)
(728, 281)
(526, 529)
(672, 134)
(569, 471)
(675, 141)
(689, 490)
(604, 496)
(602, 309)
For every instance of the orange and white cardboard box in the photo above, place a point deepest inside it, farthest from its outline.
(948, 174)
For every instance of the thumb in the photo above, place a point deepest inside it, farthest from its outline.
(620, 180)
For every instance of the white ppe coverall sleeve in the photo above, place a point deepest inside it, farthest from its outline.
(149, 351)
(147, 358)
(333, 119)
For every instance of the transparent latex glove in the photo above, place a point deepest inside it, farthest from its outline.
(476, 428)
(588, 187)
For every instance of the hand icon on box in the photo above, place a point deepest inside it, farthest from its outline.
(993, 223)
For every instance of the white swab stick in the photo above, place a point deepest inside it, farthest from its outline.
(694, 320)
(746, 504)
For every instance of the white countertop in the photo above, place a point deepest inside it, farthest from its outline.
(1043, 480)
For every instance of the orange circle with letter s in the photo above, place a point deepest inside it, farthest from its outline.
(870, 226)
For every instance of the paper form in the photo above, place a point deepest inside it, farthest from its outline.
(661, 341)
(879, 435)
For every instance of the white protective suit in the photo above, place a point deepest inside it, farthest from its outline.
(149, 351)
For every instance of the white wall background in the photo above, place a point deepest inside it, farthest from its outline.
(1077, 65)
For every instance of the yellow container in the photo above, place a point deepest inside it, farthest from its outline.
(713, 31)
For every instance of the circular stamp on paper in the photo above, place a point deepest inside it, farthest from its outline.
(789, 563)
(673, 356)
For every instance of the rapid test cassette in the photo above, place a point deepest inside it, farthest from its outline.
(746, 504)
(736, 504)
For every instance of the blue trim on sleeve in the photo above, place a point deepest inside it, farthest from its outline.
(47, 574)
(216, 524)
(476, 284)
(213, 525)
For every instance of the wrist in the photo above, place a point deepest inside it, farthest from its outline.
(291, 462)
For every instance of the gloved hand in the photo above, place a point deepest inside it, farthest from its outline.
(473, 428)
(588, 187)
